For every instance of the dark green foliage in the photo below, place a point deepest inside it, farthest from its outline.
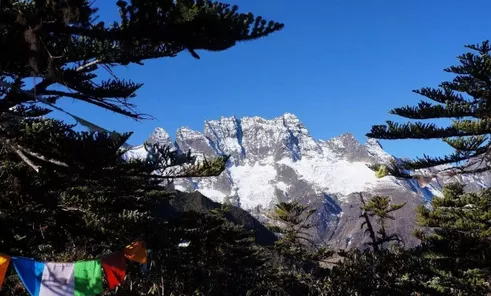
(68, 196)
(453, 259)
(393, 271)
(297, 257)
(100, 203)
(221, 258)
(294, 223)
(458, 246)
(62, 44)
(464, 101)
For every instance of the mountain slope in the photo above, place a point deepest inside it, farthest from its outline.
(278, 160)
(181, 202)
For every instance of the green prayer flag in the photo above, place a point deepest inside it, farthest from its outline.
(88, 278)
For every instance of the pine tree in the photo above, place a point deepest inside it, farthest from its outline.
(458, 246)
(381, 208)
(464, 103)
(294, 220)
(68, 196)
(298, 257)
(385, 268)
(455, 234)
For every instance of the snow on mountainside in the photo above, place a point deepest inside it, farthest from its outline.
(278, 160)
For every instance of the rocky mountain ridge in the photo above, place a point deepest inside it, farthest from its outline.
(278, 160)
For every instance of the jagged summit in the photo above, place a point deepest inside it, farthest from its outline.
(159, 135)
(290, 115)
(253, 138)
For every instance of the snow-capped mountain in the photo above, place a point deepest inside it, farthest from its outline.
(278, 160)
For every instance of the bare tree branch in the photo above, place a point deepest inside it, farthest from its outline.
(25, 159)
(94, 62)
(53, 161)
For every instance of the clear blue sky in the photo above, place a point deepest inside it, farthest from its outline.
(339, 65)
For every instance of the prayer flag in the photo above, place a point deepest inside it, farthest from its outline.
(82, 278)
(114, 267)
(4, 264)
(30, 273)
(136, 252)
(88, 278)
(57, 279)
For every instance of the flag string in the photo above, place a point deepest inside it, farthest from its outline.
(80, 278)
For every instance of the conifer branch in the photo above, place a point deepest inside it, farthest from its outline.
(87, 65)
(25, 159)
(464, 100)
(38, 156)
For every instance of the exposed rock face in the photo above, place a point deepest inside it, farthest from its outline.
(278, 160)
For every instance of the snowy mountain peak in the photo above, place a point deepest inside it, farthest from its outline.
(292, 116)
(188, 139)
(187, 133)
(371, 142)
(160, 135)
(291, 119)
(279, 151)
(274, 160)
(345, 141)
(348, 139)
(376, 151)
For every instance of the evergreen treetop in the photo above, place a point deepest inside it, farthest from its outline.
(381, 208)
(454, 256)
(455, 242)
(464, 102)
(62, 44)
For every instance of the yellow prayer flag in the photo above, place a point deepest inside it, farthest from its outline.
(4, 264)
(136, 252)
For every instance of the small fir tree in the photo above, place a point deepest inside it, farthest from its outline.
(385, 268)
(381, 208)
(298, 256)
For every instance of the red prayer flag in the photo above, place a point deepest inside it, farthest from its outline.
(114, 267)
